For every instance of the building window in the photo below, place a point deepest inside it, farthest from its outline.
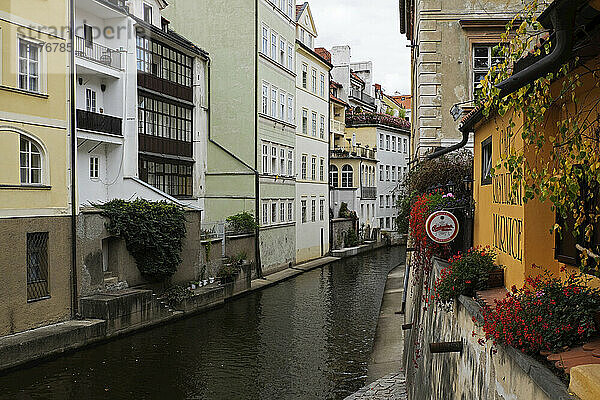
(387, 142)
(387, 173)
(322, 209)
(381, 201)
(314, 80)
(282, 106)
(387, 201)
(303, 166)
(265, 159)
(290, 211)
(322, 170)
(265, 40)
(313, 209)
(333, 176)
(304, 75)
(273, 212)
(322, 91)
(274, 102)
(486, 161)
(163, 61)
(393, 173)
(282, 162)
(265, 98)
(347, 176)
(88, 36)
(322, 127)
(30, 162)
(290, 161)
(265, 214)
(291, 9)
(274, 46)
(94, 167)
(381, 176)
(393, 143)
(305, 122)
(313, 169)
(381, 142)
(484, 58)
(147, 13)
(302, 35)
(303, 205)
(282, 212)
(274, 160)
(29, 66)
(37, 266)
(164, 119)
(282, 52)
(90, 100)
(290, 58)
(314, 124)
(290, 109)
(172, 177)
(405, 145)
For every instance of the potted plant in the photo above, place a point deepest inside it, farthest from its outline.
(193, 285)
(211, 280)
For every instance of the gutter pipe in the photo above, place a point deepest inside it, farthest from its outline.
(74, 288)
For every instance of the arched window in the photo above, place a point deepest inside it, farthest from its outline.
(333, 176)
(30, 162)
(347, 176)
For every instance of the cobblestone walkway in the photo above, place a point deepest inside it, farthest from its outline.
(390, 387)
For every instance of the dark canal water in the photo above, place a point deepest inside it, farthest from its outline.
(306, 338)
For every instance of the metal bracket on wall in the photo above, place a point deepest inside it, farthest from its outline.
(446, 347)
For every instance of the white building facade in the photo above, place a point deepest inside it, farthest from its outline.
(141, 121)
(312, 142)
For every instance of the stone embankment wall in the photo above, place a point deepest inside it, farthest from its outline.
(340, 226)
(480, 372)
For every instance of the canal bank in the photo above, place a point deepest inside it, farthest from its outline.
(112, 315)
(307, 337)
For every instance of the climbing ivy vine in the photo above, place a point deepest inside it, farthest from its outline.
(558, 119)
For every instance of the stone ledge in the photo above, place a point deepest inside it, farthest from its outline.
(584, 381)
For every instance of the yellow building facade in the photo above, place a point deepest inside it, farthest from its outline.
(35, 164)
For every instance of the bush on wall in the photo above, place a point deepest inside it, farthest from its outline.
(153, 233)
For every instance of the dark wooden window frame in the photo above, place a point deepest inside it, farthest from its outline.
(486, 179)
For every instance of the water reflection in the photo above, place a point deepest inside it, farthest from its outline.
(307, 338)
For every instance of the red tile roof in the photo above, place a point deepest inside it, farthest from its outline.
(325, 55)
(356, 77)
(333, 98)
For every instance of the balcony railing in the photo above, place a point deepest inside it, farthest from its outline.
(368, 193)
(98, 53)
(353, 152)
(365, 98)
(92, 121)
(118, 3)
(337, 127)
(369, 118)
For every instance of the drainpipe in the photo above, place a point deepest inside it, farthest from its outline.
(259, 271)
(328, 167)
(74, 289)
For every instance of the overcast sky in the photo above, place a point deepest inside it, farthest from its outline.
(371, 29)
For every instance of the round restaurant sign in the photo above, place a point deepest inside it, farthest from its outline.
(442, 227)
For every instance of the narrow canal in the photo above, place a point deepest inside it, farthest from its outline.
(306, 338)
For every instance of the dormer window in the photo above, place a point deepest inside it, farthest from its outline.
(148, 13)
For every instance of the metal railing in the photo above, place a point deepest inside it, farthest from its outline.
(98, 53)
(92, 121)
(353, 151)
(369, 193)
(370, 118)
(337, 127)
(365, 98)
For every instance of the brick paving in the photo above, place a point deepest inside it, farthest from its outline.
(390, 387)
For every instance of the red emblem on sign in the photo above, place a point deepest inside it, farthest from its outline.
(442, 227)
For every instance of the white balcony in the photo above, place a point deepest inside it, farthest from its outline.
(337, 127)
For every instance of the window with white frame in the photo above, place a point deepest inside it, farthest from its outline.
(282, 52)
(484, 58)
(310, 41)
(405, 145)
(322, 127)
(381, 176)
(381, 201)
(265, 213)
(282, 211)
(347, 176)
(282, 162)
(290, 163)
(303, 166)
(322, 209)
(282, 106)
(333, 176)
(94, 167)
(290, 56)
(393, 143)
(314, 124)
(90, 100)
(381, 142)
(322, 170)
(290, 211)
(314, 80)
(274, 46)
(387, 201)
(30, 162)
(305, 122)
(304, 75)
(313, 168)
(387, 142)
(282, 5)
(273, 212)
(291, 7)
(387, 173)
(486, 161)
(273, 160)
(303, 208)
(290, 109)
(393, 173)
(265, 159)
(29, 66)
(274, 102)
(302, 35)
(322, 90)
(313, 209)
(265, 98)
(265, 40)
(148, 13)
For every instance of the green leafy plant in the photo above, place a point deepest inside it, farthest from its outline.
(344, 212)
(546, 314)
(466, 273)
(350, 239)
(153, 233)
(176, 294)
(243, 222)
(228, 272)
